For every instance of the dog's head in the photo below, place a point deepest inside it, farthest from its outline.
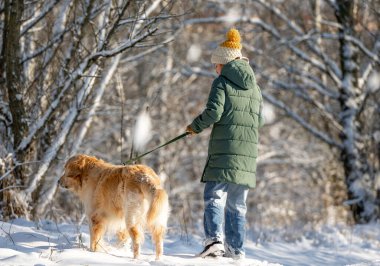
(74, 174)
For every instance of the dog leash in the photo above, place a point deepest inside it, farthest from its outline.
(162, 145)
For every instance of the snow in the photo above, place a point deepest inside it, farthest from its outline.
(194, 53)
(47, 243)
(142, 131)
(19, 96)
(233, 15)
(374, 81)
(269, 113)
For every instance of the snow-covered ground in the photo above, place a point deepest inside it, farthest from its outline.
(26, 243)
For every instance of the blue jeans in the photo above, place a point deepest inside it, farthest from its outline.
(225, 202)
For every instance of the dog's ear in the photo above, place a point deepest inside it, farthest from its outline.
(81, 161)
(76, 164)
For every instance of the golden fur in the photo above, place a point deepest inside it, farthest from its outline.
(129, 194)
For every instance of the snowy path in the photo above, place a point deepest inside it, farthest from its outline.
(21, 243)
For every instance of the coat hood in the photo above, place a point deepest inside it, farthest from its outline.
(240, 73)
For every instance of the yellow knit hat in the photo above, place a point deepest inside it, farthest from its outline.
(229, 49)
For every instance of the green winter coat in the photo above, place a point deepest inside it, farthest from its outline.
(234, 109)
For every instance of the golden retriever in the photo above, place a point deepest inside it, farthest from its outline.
(110, 193)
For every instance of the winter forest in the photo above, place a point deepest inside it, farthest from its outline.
(84, 76)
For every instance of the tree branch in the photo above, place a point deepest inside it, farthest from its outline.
(46, 196)
(126, 45)
(270, 29)
(38, 17)
(51, 152)
(43, 49)
(373, 56)
(320, 135)
(333, 71)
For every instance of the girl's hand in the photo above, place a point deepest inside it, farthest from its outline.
(190, 131)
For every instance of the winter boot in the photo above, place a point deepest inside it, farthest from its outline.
(234, 254)
(215, 249)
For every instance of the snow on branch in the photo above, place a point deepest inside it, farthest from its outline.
(38, 16)
(74, 111)
(54, 104)
(333, 70)
(148, 51)
(59, 30)
(320, 135)
(64, 82)
(41, 50)
(278, 13)
(11, 187)
(104, 21)
(140, 19)
(123, 47)
(298, 89)
(47, 195)
(60, 139)
(373, 56)
(75, 75)
(13, 168)
(331, 23)
(138, 22)
(106, 35)
(336, 73)
(96, 102)
(142, 54)
(310, 80)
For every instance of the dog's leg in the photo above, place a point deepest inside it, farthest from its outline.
(97, 230)
(137, 238)
(122, 235)
(158, 233)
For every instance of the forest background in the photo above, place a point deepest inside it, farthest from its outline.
(76, 76)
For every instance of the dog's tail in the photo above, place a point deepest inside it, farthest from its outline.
(159, 209)
(157, 219)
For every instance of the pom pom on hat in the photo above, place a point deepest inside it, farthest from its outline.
(228, 50)
(233, 40)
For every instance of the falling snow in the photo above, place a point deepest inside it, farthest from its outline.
(142, 131)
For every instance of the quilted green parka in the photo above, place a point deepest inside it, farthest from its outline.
(234, 108)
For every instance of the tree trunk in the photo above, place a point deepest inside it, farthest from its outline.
(358, 175)
(13, 10)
